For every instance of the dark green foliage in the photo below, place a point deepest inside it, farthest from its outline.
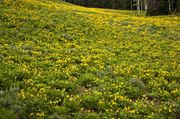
(8, 104)
(114, 4)
(6, 114)
(157, 7)
(177, 6)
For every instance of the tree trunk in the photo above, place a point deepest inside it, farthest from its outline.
(145, 6)
(132, 5)
(169, 2)
(141, 5)
(138, 6)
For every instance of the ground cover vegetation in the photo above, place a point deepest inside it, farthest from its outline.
(62, 61)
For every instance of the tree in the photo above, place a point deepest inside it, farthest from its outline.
(173, 5)
(157, 7)
(138, 6)
(145, 6)
(177, 5)
(151, 7)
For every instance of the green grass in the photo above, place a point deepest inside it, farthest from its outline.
(62, 61)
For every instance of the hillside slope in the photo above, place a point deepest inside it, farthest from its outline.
(61, 61)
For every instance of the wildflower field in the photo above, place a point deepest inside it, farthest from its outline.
(62, 61)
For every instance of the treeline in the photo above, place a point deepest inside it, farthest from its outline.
(114, 4)
(151, 7)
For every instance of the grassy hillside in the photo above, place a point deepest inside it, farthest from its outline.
(61, 61)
